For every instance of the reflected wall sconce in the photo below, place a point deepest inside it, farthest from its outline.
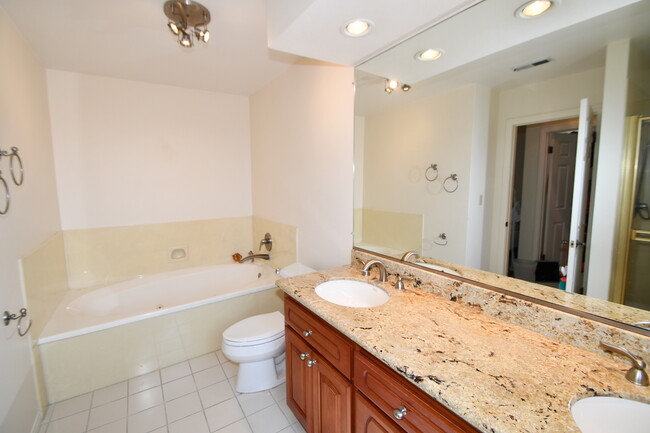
(188, 20)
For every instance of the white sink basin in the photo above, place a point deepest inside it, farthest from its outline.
(351, 293)
(438, 268)
(611, 415)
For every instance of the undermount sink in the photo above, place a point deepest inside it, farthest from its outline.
(352, 293)
(438, 268)
(611, 415)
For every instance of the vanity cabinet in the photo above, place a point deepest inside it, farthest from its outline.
(325, 370)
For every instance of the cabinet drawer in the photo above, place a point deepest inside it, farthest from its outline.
(330, 343)
(390, 392)
(368, 419)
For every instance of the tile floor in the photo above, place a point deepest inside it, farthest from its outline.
(195, 396)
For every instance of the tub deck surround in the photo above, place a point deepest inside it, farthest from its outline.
(500, 377)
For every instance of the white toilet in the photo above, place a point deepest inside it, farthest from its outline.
(257, 345)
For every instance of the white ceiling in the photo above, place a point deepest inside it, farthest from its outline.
(129, 39)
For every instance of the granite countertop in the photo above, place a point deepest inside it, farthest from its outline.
(500, 377)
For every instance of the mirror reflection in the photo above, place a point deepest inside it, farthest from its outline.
(521, 151)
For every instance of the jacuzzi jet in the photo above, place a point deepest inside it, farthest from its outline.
(259, 275)
(160, 307)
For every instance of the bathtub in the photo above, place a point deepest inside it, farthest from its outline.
(102, 336)
(143, 297)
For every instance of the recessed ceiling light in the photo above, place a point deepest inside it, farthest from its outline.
(534, 8)
(358, 27)
(429, 55)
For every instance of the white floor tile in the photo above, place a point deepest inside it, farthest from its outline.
(145, 400)
(240, 426)
(145, 421)
(216, 393)
(230, 368)
(269, 420)
(209, 376)
(202, 362)
(287, 412)
(287, 430)
(254, 402)
(279, 393)
(221, 357)
(178, 388)
(109, 394)
(298, 428)
(48, 413)
(107, 413)
(114, 427)
(192, 424)
(144, 382)
(175, 371)
(71, 406)
(160, 430)
(223, 414)
(183, 406)
(70, 424)
(42, 428)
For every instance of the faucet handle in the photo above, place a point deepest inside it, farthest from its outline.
(266, 240)
(637, 374)
(400, 282)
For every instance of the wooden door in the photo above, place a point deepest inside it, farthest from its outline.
(299, 378)
(332, 399)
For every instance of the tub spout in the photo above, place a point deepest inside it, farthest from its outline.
(251, 257)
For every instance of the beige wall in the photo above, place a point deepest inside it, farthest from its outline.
(401, 143)
(302, 133)
(132, 153)
(32, 218)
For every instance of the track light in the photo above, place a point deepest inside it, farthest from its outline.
(188, 20)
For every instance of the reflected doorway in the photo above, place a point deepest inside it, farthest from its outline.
(543, 182)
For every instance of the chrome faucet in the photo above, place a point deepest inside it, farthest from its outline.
(379, 265)
(636, 374)
(407, 255)
(251, 257)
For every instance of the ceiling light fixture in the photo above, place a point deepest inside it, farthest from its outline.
(429, 54)
(188, 20)
(534, 8)
(357, 28)
(391, 85)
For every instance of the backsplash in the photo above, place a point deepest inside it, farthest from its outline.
(563, 326)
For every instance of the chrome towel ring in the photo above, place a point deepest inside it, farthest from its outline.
(434, 172)
(451, 183)
(443, 242)
(3, 185)
(8, 317)
(14, 156)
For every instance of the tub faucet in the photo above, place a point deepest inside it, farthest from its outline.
(379, 265)
(636, 374)
(251, 257)
(407, 255)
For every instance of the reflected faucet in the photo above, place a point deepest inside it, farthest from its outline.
(251, 257)
(407, 255)
(379, 265)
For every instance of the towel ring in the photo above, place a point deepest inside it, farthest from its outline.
(14, 154)
(8, 317)
(3, 184)
(434, 169)
(453, 178)
(444, 242)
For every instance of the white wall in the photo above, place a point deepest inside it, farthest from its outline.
(137, 153)
(32, 218)
(302, 133)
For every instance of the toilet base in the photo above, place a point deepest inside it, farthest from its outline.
(260, 375)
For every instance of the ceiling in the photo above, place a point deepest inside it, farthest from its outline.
(129, 39)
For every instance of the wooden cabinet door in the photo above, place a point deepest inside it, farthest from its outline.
(369, 419)
(332, 399)
(299, 378)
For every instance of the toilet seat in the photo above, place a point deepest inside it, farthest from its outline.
(255, 330)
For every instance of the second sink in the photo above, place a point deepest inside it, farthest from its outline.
(351, 293)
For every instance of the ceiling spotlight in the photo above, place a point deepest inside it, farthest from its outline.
(187, 20)
(429, 54)
(534, 8)
(405, 87)
(357, 28)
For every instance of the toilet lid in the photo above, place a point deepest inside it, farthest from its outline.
(256, 328)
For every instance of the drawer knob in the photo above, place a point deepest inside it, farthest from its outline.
(399, 413)
(304, 356)
(312, 362)
(307, 333)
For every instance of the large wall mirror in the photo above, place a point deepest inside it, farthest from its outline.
(519, 155)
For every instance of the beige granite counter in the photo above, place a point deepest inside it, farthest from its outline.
(500, 377)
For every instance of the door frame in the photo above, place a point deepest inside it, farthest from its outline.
(503, 177)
